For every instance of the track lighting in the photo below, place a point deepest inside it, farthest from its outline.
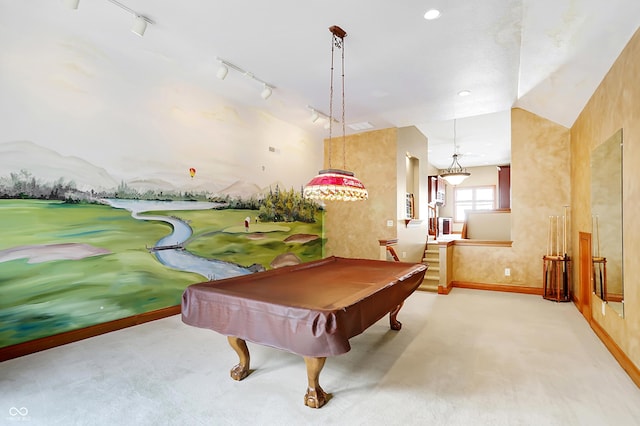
(139, 21)
(223, 69)
(317, 115)
(72, 4)
(139, 25)
(266, 92)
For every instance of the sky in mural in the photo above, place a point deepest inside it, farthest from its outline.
(146, 123)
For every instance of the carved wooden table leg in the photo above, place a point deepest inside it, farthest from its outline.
(315, 396)
(241, 370)
(393, 322)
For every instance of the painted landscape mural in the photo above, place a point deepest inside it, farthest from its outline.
(127, 174)
(72, 257)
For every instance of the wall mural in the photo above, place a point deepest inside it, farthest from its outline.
(76, 253)
(125, 176)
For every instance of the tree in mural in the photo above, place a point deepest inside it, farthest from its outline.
(287, 206)
(277, 206)
(24, 185)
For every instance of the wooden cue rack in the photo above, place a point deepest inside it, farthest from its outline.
(556, 264)
(556, 272)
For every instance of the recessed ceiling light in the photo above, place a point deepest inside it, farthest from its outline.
(464, 93)
(432, 14)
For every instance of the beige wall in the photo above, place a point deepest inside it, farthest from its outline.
(353, 229)
(539, 188)
(412, 237)
(614, 105)
(378, 158)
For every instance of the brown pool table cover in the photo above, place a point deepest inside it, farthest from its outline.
(311, 309)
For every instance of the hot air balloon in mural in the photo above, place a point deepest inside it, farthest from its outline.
(192, 172)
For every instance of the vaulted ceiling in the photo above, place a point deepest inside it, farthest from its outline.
(546, 56)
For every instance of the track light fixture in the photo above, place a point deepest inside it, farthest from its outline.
(139, 21)
(223, 69)
(317, 115)
(266, 91)
(139, 25)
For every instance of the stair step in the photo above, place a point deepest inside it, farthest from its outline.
(428, 285)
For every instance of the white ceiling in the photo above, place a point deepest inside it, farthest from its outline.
(546, 56)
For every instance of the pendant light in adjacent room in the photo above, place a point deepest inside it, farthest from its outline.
(455, 174)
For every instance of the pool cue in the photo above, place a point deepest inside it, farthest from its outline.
(565, 271)
(549, 237)
(547, 263)
(598, 235)
(564, 231)
(602, 295)
(557, 239)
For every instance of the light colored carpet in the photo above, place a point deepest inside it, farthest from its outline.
(469, 358)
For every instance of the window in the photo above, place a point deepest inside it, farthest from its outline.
(473, 198)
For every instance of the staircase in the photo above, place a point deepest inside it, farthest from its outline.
(432, 258)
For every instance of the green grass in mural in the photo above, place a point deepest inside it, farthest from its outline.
(53, 296)
(220, 234)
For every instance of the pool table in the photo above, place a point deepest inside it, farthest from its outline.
(311, 309)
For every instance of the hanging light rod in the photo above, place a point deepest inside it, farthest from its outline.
(224, 69)
(455, 174)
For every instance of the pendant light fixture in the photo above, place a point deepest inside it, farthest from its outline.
(336, 184)
(455, 174)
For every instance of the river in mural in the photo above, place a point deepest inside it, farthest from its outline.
(170, 249)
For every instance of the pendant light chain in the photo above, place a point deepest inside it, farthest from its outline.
(333, 44)
(455, 146)
(344, 138)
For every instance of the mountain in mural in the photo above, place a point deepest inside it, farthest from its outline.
(49, 166)
(154, 184)
(46, 166)
(241, 189)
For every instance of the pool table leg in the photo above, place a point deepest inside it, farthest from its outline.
(315, 396)
(241, 370)
(393, 322)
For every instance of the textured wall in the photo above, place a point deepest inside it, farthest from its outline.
(412, 239)
(614, 105)
(353, 229)
(539, 189)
